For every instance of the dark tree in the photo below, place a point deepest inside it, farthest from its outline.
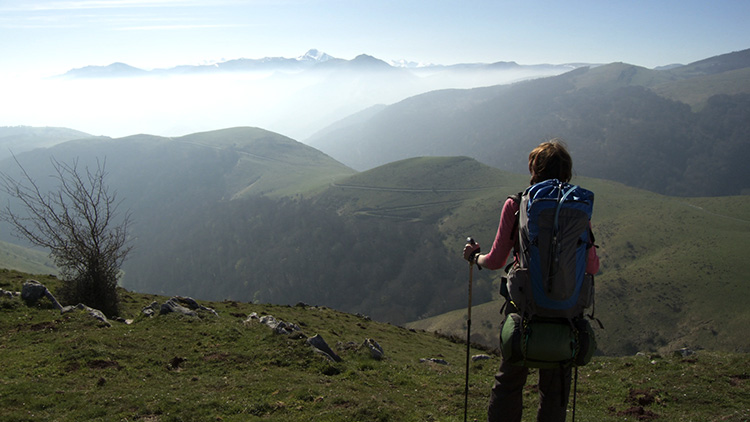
(79, 224)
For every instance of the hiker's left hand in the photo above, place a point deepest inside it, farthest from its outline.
(470, 250)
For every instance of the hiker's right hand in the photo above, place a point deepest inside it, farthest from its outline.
(470, 250)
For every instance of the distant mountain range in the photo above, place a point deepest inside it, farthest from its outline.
(683, 131)
(296, 97)
(311, 59)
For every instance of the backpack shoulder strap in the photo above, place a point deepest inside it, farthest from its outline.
(516, 246)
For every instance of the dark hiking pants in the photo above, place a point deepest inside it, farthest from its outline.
(506, 399)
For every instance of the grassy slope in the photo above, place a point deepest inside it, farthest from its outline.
(66, 368)
(427, 188)
(672, 268)
(23, 259)
(271, 163)
(697, 90)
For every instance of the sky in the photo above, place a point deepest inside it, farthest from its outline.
(48, 37)
(40, 39)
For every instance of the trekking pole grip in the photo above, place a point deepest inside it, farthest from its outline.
(470, 240)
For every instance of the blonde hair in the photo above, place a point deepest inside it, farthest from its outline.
(550, 160)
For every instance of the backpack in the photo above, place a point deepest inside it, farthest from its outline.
(548, 284)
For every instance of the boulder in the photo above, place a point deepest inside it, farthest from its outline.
(480, 357)
(182, 305)
(375, 350)
(151, 309)
(172, 305)
(33, 290)
(435, 360)
(320, 346)
(278, 326)
(190, 303)
(95, 313)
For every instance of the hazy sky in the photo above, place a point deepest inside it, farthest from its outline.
(48, 37)
(43, 38)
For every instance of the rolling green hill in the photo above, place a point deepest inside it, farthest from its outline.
(70, 367)
(273, 164)
(233, 162)
(696, 91)
(386, 242)
(659, 253)
(18, 139)
(18, 258)
(672, 273)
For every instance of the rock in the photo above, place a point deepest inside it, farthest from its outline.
(278, 326)
(434, 360)
(365, 317)
(151, 309)
(33, 290)
(190, 303)
(480, 357)
(182, 305)
(172, 306)
(322, 347)
(375, 350)
(9, 294)
(97, 314)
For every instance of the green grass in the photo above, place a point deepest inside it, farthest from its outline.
(172, 368)
(269, 163)
(24, 259)
(672, 269)
(695, 91)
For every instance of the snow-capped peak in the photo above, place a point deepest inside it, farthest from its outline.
(408, 64)
(315, 56)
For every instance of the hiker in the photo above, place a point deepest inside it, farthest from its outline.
(550, 160)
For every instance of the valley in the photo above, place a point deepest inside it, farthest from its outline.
(249, 215)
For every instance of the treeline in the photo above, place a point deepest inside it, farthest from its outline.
(296, 250)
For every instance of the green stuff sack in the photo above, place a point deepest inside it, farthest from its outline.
(546, 343)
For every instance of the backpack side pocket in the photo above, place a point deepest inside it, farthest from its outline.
(519, 290)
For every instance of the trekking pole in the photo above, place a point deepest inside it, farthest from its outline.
(468, 333)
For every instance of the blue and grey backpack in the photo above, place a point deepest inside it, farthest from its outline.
(547, 285)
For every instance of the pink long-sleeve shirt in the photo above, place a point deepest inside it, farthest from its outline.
(505, 239)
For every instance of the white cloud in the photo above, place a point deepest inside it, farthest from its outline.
(175, 27)
(100, 4)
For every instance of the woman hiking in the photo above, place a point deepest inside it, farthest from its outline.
(550, 160)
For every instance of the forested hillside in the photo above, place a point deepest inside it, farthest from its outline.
(247, 215)
(369, 243)
(679, 132)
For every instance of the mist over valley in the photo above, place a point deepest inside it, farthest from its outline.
(292, 96)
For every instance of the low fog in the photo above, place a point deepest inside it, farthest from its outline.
(293, 104)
